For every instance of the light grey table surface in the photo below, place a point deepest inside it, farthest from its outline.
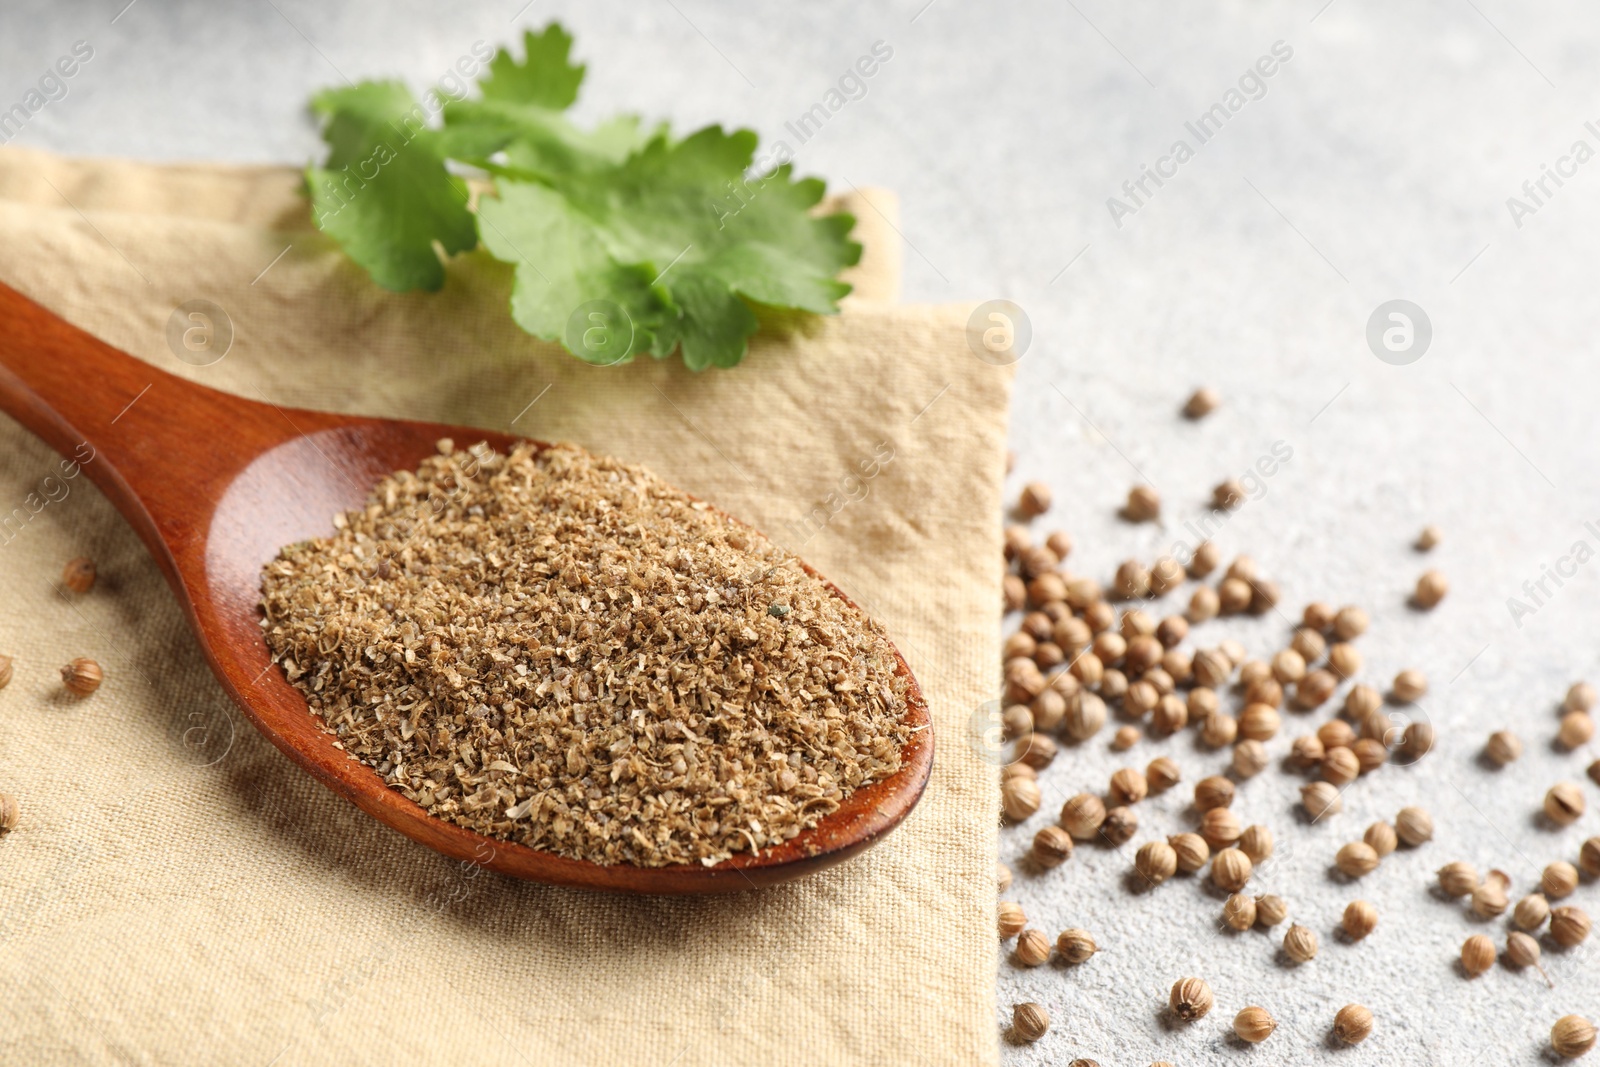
(1375, 163)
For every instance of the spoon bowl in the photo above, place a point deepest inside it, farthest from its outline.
(216, 484)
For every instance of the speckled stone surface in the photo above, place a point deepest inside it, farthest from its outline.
(1375, 163)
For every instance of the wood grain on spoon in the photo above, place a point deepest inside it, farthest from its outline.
(215, 484)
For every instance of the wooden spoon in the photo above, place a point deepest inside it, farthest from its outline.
(215, 484)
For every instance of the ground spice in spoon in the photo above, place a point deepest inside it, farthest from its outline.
(560, 649)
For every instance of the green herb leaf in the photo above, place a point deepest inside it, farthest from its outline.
(384, 193)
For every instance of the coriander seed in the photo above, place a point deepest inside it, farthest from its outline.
(1212, 668)
(1202, 703)
(1572, 1036)
(1431, 588)
(1191, 999)
(1254, 1024)
(1589, 856)
(1357, 859)
(1166, 574)
(1113, 684)
(1205, 559)
(1336, 733)
(1087, 668)
(1230, 869)
(1288, 666)
(1569, 925)
(1086, 714)
(1109, 648)
(1190, 851)
(1239, 912)
(1052, 846)
(1156, 861)
(1458, 879)
(1309, 644)
(1233, 596)
(1320, 798)
(1220, 827)
(1361, 702)
(1413, 826)
(1318, 616)
(1169, 715)
(1271, 910)
(1204, 605)
(1227, 495)
(1576, 729)
(1580, 697)
(1531, 911)
(1564, 803)
(1360, 919)
(1523, 951)
(1128, 786)
(1144, 504)
(1382, 837)
(1171, 630)
(1120, 826)
(1029, 1021)
(1408, 687)
(1213, 792)
(1076, 946)
(1265, 691)
(1503, 747)
(78, 575)
(1344, 659)
(1033, 948)
(1035, 499)
(1477, 955)
(1259, 722)
(1219, 730)
(1340, 766)
(1002, 877)
(1016, 721)
(82, 676)
(9, 813)
(1352, 1024)
(1349, 623)
(1306, 751)
(1559, 880)
(1082, 816)
(1429, 538)
(1370, 754)
(1132, 580)
(1012, 921)
(1315, 689)
(1249, 758)
(1202, 402)
(1417, 740)
(1019, 797)
(1489, 899)
(1162, 774)
(1256, 842)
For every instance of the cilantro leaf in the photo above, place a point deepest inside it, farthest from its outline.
(384, 193)
(544, 77)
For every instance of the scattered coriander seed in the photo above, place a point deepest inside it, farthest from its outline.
(1086, 714)
(1239, 912)
(1408, 687)
(1029, 1021)
(1205, 559)
(1144, 504)
(1429, 538)
(1204, 605)
(1580, 697)
(1254, 1025)
(1016, 540)
(1036, 561)
(82, 676)
(1128, 786)
(1166, 574)
(1307, 751)
(1219, 730)
(1417, 740)
(1202, 703)
(1049, 710)
(1002, 877)
(1014, 592)
(1052, 846)
(1523, 951)
(1202, 402)
(1503, 747)
(1309, 644)
(1076, 946)
(1431, 588)
(1114, 686)
(1569, 925)
(1231, 869)
(1589, 856)
(1265, 691)
(1227, 495)
(1361, 702)
(1162, 774)
(1169, 715)
(1352, 1024)
(1249, 758)
(1382, 837)
(1477, 955)
(1243, 568)
(1335, 733)
(1120, 826)
(1083, 1061)
(1171, 630)
(1072, 634)
(1264, 596)
(5, 671)
(1593, 771)
(1035, 499)
(1318, 616)
(1340, 766)
(1212, 668)
(1360, 919)
(1156, 861)
(1572, 1036)
(78, 575)
(1344, 659)
(1271, 910)
(1414, 826)
(1011, 919)
(1576, 729)
(1099, 615)
(1190, 851)
(1320, 798)
(1531, 911)
(1020, 643)
(1489, 900)
(1180, 664)
(1060, 543)
(1256, 842)
(1082, 816)
(1087, 668)
(1288, 666)
(1349, 623)
(1019, 797)
(1559, 880)
(9, 813)
(1564, 803)
(1132, 580)
(1370, 754)
(1315, 689)
(1220, 827)
(1015, 770)
(1144, 652)
(1016, 721)
(1260, 722)
(1357, 859)
(1191, 999)
(1233, 596)
(1213, 792)
(1033, 948)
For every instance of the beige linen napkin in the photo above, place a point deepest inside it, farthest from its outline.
(179, 892)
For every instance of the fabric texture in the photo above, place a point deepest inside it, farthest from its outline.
(177, 891)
